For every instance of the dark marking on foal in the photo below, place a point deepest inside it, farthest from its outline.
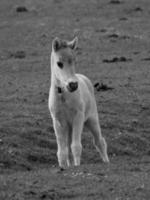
(59, 90)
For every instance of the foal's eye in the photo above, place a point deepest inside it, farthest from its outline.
(60, 64)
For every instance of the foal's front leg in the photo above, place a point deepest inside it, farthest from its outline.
(61, 132)
(76, 145)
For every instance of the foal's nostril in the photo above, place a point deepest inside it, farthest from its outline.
(73, 86)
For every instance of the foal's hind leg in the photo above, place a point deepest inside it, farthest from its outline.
(99, 141)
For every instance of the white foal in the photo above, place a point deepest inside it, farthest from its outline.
(72, 105)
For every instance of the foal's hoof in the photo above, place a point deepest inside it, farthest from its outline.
(106, 160)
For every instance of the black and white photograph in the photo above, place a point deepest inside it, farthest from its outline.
(74, 100)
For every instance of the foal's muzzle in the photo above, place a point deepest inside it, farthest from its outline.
(72, 86)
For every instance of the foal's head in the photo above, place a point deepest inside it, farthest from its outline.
(63, 63)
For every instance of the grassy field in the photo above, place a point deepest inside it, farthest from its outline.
(114, 51)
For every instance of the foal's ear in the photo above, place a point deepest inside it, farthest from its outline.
(73, 44)
(56, 44)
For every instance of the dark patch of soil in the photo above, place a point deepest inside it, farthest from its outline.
(21, 9)
(115, 2)
(138, 9)
(17, 54)
(102, 87)
(145, 59)
(117, 59)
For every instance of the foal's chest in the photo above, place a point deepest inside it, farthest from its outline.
(64, 108)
